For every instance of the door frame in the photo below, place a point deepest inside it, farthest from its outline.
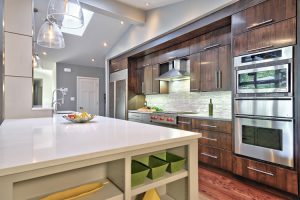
(97, 93)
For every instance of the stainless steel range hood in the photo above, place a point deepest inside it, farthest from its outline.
(178, 70)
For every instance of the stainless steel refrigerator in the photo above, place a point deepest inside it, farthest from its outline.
(118, 94)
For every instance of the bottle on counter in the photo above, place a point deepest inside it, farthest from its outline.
(210, 108)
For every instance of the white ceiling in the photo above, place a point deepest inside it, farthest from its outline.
(152, 3)
(80, 50)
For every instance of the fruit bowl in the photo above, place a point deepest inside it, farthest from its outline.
(79, 117)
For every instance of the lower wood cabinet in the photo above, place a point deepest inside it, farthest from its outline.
(184, 123)
(278, 177)
(215, 157)
(216, 139)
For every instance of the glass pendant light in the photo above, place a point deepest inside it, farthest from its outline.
(66, 13)
(50, 36)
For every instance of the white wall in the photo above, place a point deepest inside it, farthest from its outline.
(18, 61)
(165, 19)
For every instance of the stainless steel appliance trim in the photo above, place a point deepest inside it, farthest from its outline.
(283, 157)
(268, 108)
(287, 53)
(207, 138)
(206, 125)
(208, 155)
(260, 171)
(260, 24)
(265, 90)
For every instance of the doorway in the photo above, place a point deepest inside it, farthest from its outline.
(88, 95)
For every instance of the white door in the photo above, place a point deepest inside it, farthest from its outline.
(88, 95)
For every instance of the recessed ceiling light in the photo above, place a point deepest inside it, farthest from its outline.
(122, 22)
(44, 53)
(105, 44)
(93, 60)
(147, 4)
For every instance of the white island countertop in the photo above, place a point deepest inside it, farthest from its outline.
(28, 144)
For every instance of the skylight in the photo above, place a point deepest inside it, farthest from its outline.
(80, 31)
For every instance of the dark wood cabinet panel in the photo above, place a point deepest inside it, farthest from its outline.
(212, 125)
(216, 139)
(155, 83)
(212, 39)
(148, 60)
(263, 14)
(276, 35)
(195, 72)
(215, 157)
(176, 51)
(225, 71)
(277, 177)
(148, 79)
(112, 99)
(184, 123)
(140, 81)
(118, 64)
(208, 70)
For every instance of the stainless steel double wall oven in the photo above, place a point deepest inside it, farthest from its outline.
(263, 106)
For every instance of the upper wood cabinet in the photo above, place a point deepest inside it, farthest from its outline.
(140, 81)
(176, 51)
(273, 36)
(118, 64)
(155, 83)
(195, 72)
(265, 13)
(148, 80)
(216, 38)
(148, 60)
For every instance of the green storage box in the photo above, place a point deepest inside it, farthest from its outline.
(157, 166)
(176, 163)
(138, 173)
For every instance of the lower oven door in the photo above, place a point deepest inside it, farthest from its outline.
(270, 140)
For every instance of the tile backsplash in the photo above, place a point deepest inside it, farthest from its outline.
(181, 99)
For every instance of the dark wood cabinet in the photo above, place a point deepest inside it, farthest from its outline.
(184, 123)
(140, 81)
(216, 139)
(224, 68)
(118, 64)
(148, 60)
(155, 83)
(216, 38)
(212, 125)
(215, 157)
(263, 14)
(195, 72)
(173, 52)
(209, 70)
(148, 79)
(268, 37)
(274, 176)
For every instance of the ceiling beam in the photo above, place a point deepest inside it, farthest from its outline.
(115, 9)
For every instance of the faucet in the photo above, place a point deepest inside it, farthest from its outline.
(58, 101)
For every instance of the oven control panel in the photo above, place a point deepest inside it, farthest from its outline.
(163, 118)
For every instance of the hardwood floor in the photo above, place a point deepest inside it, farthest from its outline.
(217, 186)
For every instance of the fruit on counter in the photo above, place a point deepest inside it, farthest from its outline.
(83, 115)
(157, 109)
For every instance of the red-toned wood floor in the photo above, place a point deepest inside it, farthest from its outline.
(217, 186)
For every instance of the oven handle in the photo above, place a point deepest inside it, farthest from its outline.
(260, 171)
(260, 48)
(265, 118)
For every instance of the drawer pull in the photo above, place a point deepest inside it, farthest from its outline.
(259, 24)
(206, 125)
(116, 69)
(206, 138)
(260, 48)
(208, 155)
(182, 122)
(260, 171)
(212, 46)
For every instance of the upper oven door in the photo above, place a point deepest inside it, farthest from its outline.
(271, 79)
(265, 139)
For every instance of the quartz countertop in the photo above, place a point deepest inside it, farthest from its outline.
(206, 116)
(28, 144)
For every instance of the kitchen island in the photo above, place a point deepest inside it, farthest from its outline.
(46, 155)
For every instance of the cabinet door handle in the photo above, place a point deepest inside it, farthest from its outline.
(143, 87)
(212, 46)
(208, 155)
(260, 171)
(207, 138)
(206, 125)
(260, 48)
(260, 24)
(182, 122)
(217, 81)
(220, 78)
